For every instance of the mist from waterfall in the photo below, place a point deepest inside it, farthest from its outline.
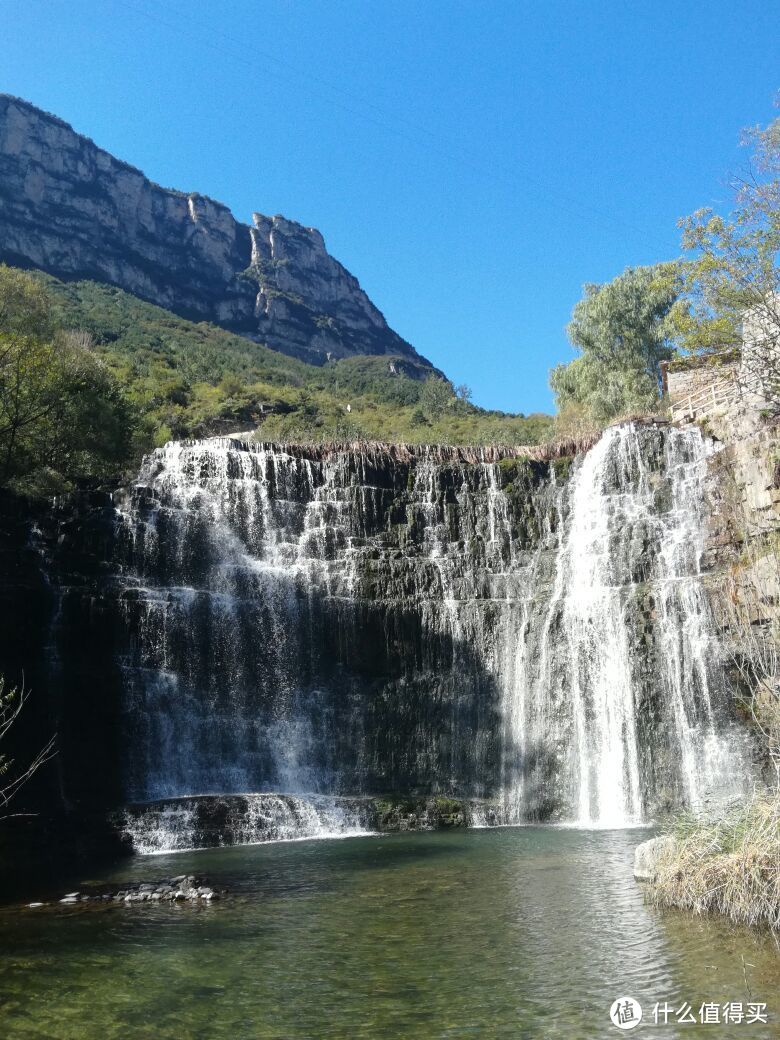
(347, 623)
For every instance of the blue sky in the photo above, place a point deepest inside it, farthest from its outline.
(472, 163)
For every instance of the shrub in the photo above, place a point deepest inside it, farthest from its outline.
(730, 866)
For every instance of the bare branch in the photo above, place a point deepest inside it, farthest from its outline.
(11, 704)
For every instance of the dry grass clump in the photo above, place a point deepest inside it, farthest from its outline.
(730, 867)
(408, 451)
(575, 422)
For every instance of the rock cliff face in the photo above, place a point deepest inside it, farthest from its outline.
(75, 211)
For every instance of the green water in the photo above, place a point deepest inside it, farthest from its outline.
(527, 932)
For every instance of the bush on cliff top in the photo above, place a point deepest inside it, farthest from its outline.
(622, 330)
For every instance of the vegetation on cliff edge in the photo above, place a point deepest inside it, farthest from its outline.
(64, 417)
(105, 377)
(723, 290)
(623, 332)
(194, 379)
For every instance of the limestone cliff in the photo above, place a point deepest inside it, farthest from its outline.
(73, 210)
(740, 551)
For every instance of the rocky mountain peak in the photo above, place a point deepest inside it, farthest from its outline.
(75, 211)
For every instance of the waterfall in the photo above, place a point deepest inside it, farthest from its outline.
(587, 618)
(628, 596)
(313, 624)
(204, 822)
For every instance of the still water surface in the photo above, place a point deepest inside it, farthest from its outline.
(521, 933)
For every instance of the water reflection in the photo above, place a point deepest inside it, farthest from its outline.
(528, 932)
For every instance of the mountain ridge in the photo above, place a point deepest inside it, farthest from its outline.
(75, 211)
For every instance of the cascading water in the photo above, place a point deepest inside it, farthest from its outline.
(205, 822)
(426, 621)
(628, 597)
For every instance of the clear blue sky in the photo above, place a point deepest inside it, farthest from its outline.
(472, 163)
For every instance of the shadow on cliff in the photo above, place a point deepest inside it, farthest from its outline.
(164, 691)
(57, 641)
(297, 692)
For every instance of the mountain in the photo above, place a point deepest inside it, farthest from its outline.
(74, 211)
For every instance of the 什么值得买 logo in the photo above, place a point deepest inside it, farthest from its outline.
(626, 1013)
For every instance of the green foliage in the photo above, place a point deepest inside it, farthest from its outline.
(63, 415)
(436, 396)
(561, 467)
(187, 378)
(733, 270)
(190, 379)
(25, 308)
(93, 422)
(390, 380)
(91, 378)
(623, 331)
(27, 362)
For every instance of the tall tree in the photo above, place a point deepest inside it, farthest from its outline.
(436, 395)
(733, 281)
(623, 331)
(26, 364)
(63, 416)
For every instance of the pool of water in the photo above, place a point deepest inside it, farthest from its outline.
(521, 933)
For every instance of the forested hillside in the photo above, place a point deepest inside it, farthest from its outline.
(162, 377)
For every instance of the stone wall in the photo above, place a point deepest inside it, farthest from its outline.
(700, 388)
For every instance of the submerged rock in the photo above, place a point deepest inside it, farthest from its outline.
(184, 888)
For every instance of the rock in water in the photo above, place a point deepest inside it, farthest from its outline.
(184, 887)
(647, 855)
